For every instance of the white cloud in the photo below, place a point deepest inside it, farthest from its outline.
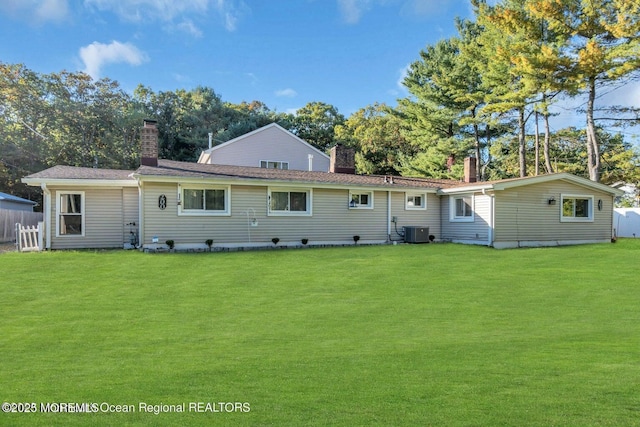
(96, 55)
(171, 10)
(402, 74)
(36, 11)
(286, 93)
(189, 27)
(138, 10)
(352, 10)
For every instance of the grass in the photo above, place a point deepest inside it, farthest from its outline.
(392, 335)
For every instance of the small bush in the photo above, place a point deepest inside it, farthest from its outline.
(170, 243)
(275, 240)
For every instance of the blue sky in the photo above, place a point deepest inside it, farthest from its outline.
(285, 53)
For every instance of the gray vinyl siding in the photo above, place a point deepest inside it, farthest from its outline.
(104, 222)
(422, 218)
(476, 231)
(331, 219)
(130, 202)
(271, 144)
(524, 214)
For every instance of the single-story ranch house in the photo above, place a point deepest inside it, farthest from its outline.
(245, 206)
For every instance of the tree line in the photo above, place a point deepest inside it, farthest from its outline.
(488, 92)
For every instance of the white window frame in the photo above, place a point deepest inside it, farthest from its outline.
(410, 204)
(202, 212)
(452, 208)
(573, 218)
(82, 213)
(359, 193)
(279, 164)
(309, 197)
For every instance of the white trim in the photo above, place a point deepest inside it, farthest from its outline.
(82, 215)
(520, 182)
(573, 218)
(114, 183)
(415, 194)
(202, 212)
(452, 208)
(360, 193)
(264, 182)
(308, 191)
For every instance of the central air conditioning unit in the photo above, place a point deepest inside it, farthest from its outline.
(416, 234)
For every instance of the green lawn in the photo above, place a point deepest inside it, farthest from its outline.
(420, 335)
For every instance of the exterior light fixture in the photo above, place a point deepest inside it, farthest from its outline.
(552, 201)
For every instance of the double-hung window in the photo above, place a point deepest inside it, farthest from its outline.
(70, 214)
(361, 200)
(203, 200)
(576, 208)
(461, 208)
(289, 202)
(415, 201)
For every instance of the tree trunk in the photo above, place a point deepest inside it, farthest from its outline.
(476, 135)
(537, 147)
(593, 151)
(547, 140)
(522, 144)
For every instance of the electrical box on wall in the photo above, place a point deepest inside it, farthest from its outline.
(416, 234)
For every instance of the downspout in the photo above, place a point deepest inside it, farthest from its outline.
(389, 215)
(140, 215)
(491, 224)
(47, 214)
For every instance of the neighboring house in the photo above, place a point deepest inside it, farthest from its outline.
(14, 203)
(241, 206)
(631, 196)
(271, 147)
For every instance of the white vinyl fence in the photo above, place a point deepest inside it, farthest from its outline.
(9, 218)
(626, 222)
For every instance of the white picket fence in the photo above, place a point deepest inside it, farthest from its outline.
(29, 238)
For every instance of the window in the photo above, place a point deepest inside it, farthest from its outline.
(416, 201)
(461, 208)
(70, 208)
(199, 200)
(576, 208)
(290, 202)
(266, 164)
(361, 200)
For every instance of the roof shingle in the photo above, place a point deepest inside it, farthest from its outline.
(170, 168)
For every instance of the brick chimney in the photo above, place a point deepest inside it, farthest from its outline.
(343, 160)
(149, 143)
(470, 169)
